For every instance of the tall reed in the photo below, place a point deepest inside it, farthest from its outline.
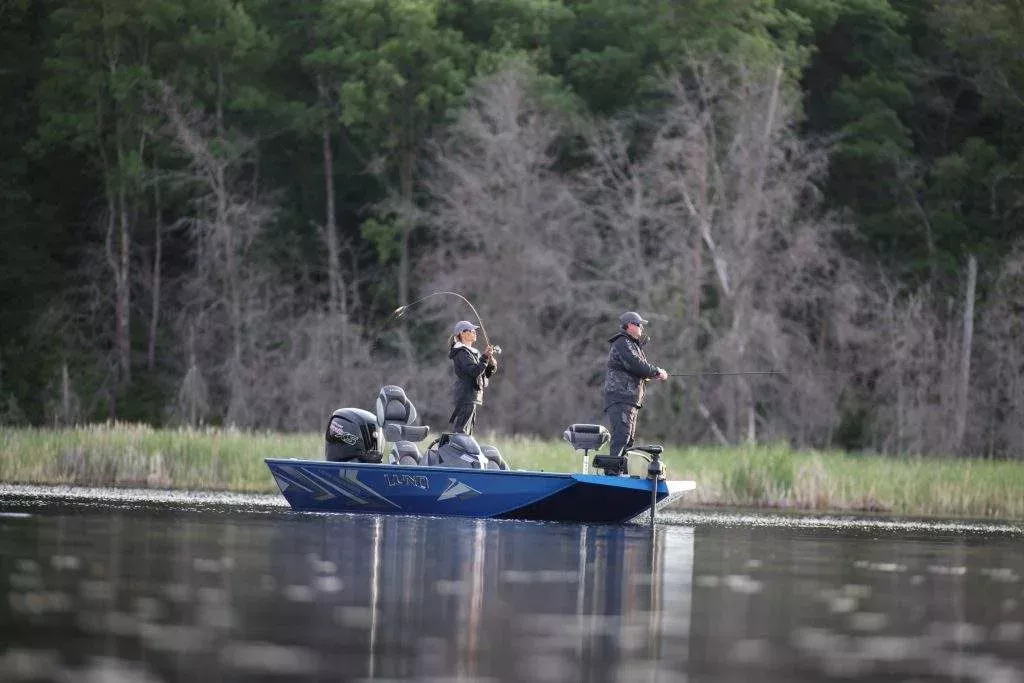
(745, 476)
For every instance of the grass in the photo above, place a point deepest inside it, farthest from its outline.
(745, 476)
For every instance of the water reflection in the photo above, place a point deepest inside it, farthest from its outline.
(169, 597)
(160, 595)
(431, 597)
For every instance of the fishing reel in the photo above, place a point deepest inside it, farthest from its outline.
(495, 350)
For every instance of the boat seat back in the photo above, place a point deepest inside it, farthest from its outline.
(494, 459)
(397, 416)
(405, 453)
(456, 450)
(393, 432)
(586, 437)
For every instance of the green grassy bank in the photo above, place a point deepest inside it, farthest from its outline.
(755, 476)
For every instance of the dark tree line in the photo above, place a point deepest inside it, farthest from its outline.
(208, 210)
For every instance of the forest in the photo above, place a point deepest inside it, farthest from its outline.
(210, 209)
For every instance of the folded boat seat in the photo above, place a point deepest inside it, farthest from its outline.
(462, 450)
(590, 437)
(397, 418)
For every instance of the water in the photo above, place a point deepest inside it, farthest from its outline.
(132, 587)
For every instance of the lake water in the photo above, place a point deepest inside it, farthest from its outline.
(101, 586)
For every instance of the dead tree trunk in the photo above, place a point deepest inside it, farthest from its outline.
(123, 280)
(408, 159)
(965, 354)
(154, 311)
(330, 227)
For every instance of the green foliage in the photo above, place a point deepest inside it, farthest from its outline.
(991, 36)
(383, 232)
(614, 54)
(400, 70)
(922, 98)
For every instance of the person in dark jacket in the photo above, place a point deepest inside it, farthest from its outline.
(473, 369)
(624, 384)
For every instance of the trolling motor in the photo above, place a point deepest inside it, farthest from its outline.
(655, 472)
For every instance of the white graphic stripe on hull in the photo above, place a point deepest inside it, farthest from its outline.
(458, 491)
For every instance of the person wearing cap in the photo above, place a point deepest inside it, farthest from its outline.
(628, 373)
(473, 369)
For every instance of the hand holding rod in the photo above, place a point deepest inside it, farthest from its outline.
(400, 311)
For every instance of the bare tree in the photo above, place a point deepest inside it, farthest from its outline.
(716, 225)
(225, 298)
(998, 392)
(914, 374)
(966, 348)
(511, 238)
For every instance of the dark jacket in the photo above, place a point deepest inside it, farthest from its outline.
(471, 373)
(627, 369)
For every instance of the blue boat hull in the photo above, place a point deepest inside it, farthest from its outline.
(321, 486)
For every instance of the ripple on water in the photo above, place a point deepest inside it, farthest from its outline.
(802, 521)
(868, 621)
(177, 638)
(29, 665)
(1009, 632)
(328, 584)
(269, 658)
(299, 593)
(1001, 574)
(67, 563)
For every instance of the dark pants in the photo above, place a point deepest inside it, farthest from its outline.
(463, 418)
(622, 420)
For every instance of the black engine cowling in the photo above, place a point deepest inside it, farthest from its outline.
(353, 434)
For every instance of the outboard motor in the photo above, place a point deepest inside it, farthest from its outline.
(397, 417)
(456, 450)
(352, 435)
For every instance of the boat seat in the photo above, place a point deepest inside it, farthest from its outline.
(586, 437)
(397, 416)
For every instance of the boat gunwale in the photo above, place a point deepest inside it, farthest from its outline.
(575, 476)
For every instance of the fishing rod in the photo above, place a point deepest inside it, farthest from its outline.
(720, 374)
(401, 310)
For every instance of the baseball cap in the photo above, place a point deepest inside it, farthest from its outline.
(463, 326)
(631, 317)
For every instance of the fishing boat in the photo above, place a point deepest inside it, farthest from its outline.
(458, 476)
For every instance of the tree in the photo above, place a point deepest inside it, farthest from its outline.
(224, 294)
(995, 426)
(614, 55)
(93, 96)
(399, 72)
(715, 225)
(511, 238)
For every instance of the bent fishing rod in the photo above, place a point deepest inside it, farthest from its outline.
(401, 310)
(721, 374)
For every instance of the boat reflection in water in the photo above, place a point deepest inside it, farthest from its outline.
(101, 592)
(501, 600)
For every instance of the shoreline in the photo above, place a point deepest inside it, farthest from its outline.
(764, 477)
(27, 496)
